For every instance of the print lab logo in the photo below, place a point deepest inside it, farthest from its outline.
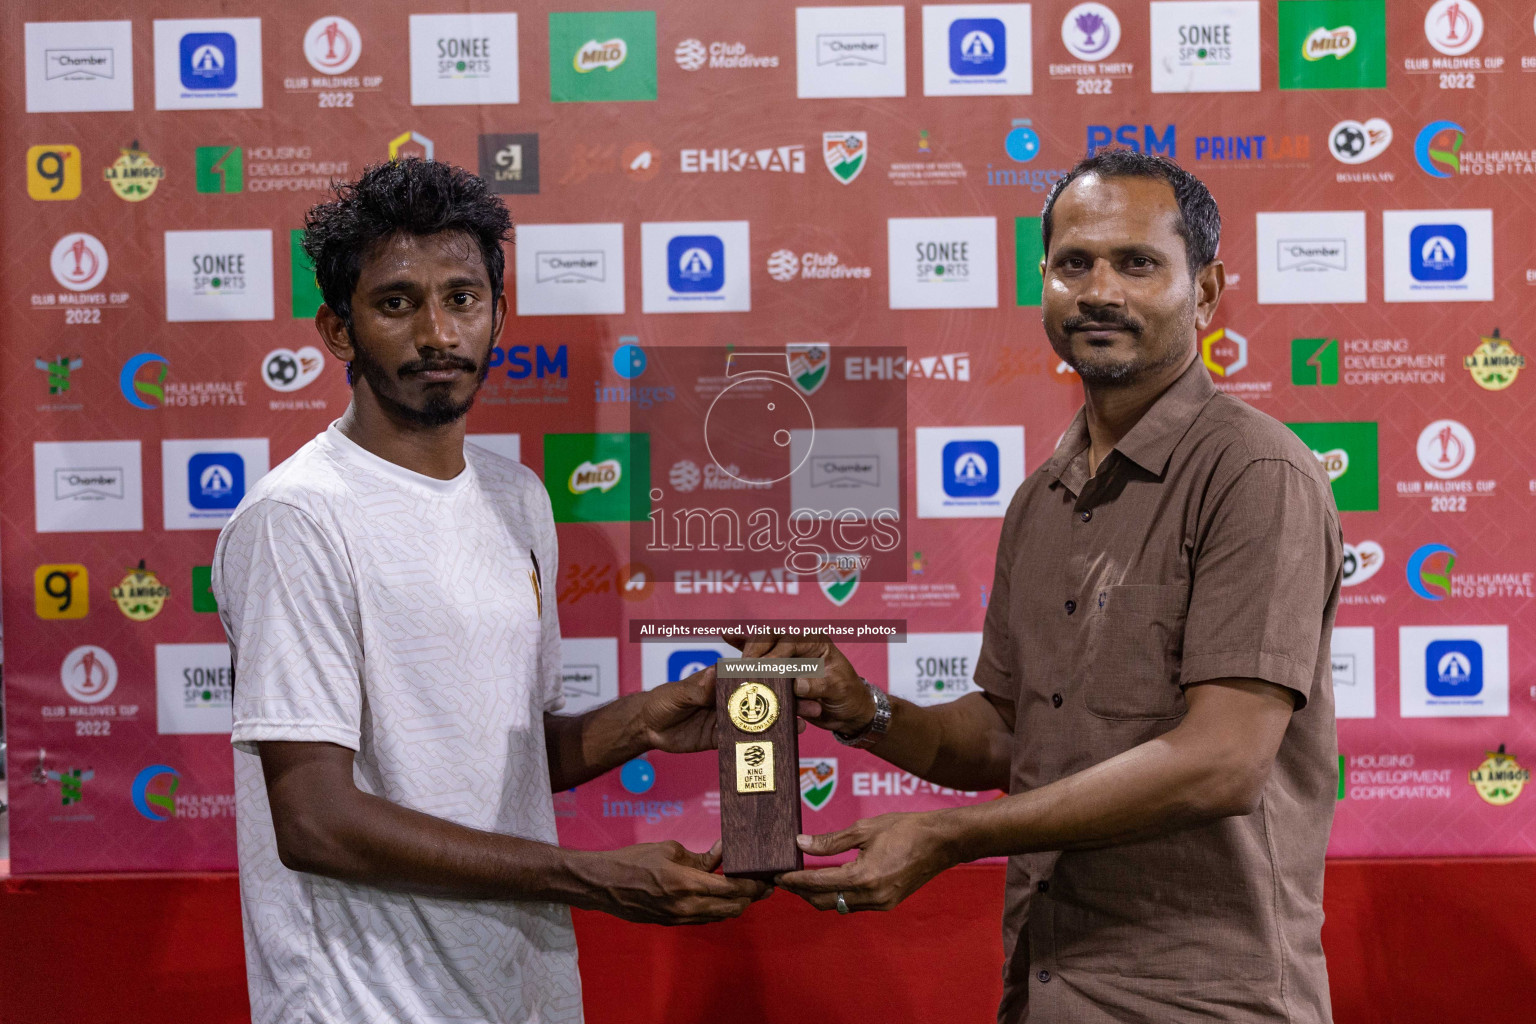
(1358, 142)
(1453, 27)
(1090, 32)
(332, 45)
(88, 674)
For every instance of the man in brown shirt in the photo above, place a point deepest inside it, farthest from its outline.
(1157, 695)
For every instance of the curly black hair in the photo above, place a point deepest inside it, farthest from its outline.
(1199, 219)
(420, 197)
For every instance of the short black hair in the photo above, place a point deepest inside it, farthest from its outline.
(1199, 219)
(419, 197)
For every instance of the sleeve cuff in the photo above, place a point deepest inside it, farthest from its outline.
(246, 734)
(1262, 665)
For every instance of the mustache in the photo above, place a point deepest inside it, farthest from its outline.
(1103, 318)
(444, 363)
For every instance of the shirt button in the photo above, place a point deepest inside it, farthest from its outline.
(1044, 976)
(1071, 607)
(1087, 514)
(1044, 886)
(1056, 699)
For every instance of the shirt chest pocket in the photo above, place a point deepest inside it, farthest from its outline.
(1135, 644)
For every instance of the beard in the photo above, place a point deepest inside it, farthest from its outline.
(1110, 373)
(439, 409)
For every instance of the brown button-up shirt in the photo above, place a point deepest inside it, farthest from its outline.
(1207, 546)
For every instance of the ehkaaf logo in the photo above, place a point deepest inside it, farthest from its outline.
(1141, 138)
(783, 159)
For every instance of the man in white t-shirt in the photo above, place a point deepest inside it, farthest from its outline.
(388, 593)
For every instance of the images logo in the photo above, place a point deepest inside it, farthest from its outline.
(140, 595)
(1347, 452)
(61, 591)
(845, 153)
(1453, 27)
(637, 776)
(818, 781)
(208, 61)
(332, 45)
(222, 168)
(78, 261)
(1422, 576)
(1494, 364)
(696, 263)
(1224, 352)
(215, 480)
(1358, 142)
(88, 674)
(1437, 252)
(971, 469)
(1090, 32)
(161, 805)
(1453, 668)
(144, 394)
(53, 172)
(1022, 142)
(978, 46)
(1314, 361)
(1446, 449)
(58, 371)
(1438, 148)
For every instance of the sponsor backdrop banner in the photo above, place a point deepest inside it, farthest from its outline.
(855, 188)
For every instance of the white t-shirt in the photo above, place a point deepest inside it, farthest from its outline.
(396, 614)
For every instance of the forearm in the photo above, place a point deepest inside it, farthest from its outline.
(1162, 786)
(361, 838)
(962, 745)
(582, 747)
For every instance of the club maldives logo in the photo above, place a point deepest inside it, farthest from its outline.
(147, 393)
(332, 45)
(1438, 148)
(845, 153)
(154, 792)
(818, 781)
(1427, 569)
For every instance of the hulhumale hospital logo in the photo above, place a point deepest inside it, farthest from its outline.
(154, 792)
(1438, 148)
(1424, 574)
(146, 390)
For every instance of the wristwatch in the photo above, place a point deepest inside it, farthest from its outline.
(871, 733)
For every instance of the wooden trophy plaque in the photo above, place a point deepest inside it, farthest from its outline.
(759, 777)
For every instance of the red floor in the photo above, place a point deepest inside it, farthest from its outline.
(1409, 942)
